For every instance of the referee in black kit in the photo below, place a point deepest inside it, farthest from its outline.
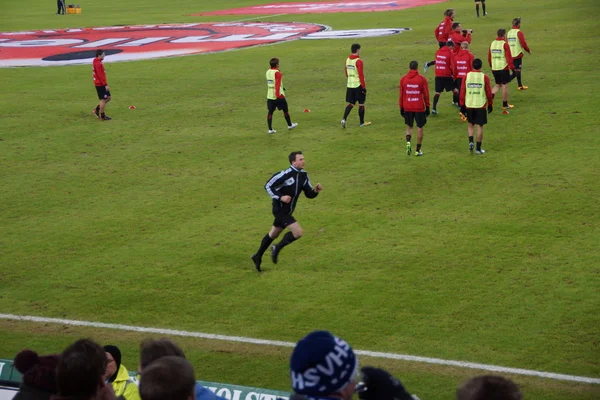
(284, 188)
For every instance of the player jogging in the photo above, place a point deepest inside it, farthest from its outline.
(102, 88)
(475, 95)
(462, 63)
(414, 105)
(444, 79)
(276, 96)
(284, 188)
(356, 90)
(516, 41)
(442, 32)
(501, 62)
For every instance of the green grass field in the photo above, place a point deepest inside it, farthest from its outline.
(150, 219)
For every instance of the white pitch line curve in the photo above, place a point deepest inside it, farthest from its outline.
(241, 339)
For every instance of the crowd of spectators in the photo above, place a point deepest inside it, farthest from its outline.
(322, 367)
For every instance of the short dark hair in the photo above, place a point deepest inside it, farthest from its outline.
(99, 52)
(273, 62)
(450, 43)
(449, 12)
(170, 378)
(80, 369)
(152, 350)
(292, 156)
(501, 32)
(488, 387)
(413, 65)
(355, 47)
(477, 63)
(517, 21)
(455, 25)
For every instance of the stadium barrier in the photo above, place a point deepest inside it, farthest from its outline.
(9, 374)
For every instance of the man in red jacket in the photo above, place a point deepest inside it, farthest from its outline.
(475, 95)
(459, 35)
(501, 62)
(414, 105)
(101, 84)
(442, 32)
(516, 41)
(443, 73)
(462, 63)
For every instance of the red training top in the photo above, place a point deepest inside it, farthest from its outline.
(359, 68)
(414, 92)
(278, 78)
(523, 42)
(99, 73)
(462, 63)
(488, 90)
(509, 58)
(443, 62)
(442, 32)
(458, 38)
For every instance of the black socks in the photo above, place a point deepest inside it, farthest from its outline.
(349, 108)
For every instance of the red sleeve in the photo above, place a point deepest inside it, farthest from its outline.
(488, 90)
(278, 76)
(490, 56)
(448, 28)
(401, 93)
(463, 90)
(100, 74)
(508, 56)
(425, 92)
(523, 41)
(361, 73)
(468, 38)
(346, 70)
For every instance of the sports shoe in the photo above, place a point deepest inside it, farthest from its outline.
(523, 87)
(408, 149)
(256, 259)
(343, 122)
(418, 153)
(434, 111)
(510, 106)
(272, 131)
(292, 126)
(485, 14)
(274, 254)
(95, 112)
(106, 118)
(366, 124)
(425, 67)
(482, 151)
(471, 146)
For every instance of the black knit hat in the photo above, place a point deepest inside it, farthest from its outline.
(38, 372)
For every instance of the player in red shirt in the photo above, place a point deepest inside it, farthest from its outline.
(518, 58)
(459, 35)
(356, 89)
(476, 115)
(462, 63)
(101, 84)
(414, 104)
(444, 79)
(502, 75)
(441, 32)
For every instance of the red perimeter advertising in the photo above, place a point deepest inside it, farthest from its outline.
(127, 43)
(325, 7)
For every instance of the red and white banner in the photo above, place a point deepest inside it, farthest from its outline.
(324, 7)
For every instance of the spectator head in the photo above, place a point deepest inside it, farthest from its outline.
(152, 350)
(477, 63)
(39, 372)
(113, 362)
(488, 387)
(413, 65)
(378, 384)
(169, 378)
(516, 21)
(323, 365)
(449, 13)
(274, 62)
(464, 45)
(80, 369)
(501, 32)
(456, 26)
(355, 48)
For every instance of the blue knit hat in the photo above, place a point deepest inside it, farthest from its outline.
(321, 364)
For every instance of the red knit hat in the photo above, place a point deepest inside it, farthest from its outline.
(38, 372)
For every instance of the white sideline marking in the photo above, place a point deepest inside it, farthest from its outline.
(262, 16)
(240, 339)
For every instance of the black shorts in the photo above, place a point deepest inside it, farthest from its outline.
(477, 116)
(277, 104)
(501, 77)
(283, 220)
(479, 1)
(458, 83)
(517, 62)
(355, 94)
(444, 83)
(411, 117)
(103, 94)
